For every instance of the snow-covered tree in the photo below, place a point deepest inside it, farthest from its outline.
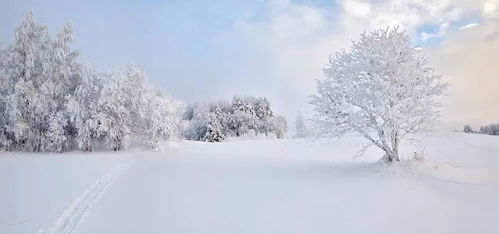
(162, 119)
(468, 129)
(278, 126)
(83, 109)
(381, 88)
(65, 76)
(57, 139)
(25, 65)
(38, 74)
(208, 122)
(214, 129)
(300, 127)
(130, 107)
(5, 90)
(195, 122)
(119, 108)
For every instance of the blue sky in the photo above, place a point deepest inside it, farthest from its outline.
(203, 50)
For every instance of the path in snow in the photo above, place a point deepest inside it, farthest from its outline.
(79, 208)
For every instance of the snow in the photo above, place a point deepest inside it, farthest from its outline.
(261, 186)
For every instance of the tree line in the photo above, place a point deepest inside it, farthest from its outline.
(242, 116)
(489, 129)
(51, 103)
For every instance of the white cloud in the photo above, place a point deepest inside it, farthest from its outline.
(469, 61)
(290, 49)
(293, 44)
(491, 8)
(356, 8)
(409, 14)
(442, 31)
(468, 26)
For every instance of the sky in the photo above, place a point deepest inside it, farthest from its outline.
(203, 50)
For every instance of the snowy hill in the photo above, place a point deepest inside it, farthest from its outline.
(265, 186)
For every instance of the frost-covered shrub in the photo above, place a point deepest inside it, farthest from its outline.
(243, 116)
(49, 102)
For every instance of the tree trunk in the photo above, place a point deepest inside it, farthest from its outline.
(391, 155)
(393, 158)
(393, 151)
(395, 146)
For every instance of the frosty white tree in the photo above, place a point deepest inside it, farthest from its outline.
(381, 89)
(301, 128)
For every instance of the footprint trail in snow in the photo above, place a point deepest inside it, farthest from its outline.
(79, 208)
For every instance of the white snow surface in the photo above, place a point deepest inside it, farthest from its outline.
(260, 186)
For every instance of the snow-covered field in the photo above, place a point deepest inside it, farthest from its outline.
(263, 186)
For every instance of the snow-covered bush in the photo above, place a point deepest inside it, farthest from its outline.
(468, 129)
(381, 89)
(243, 116)
(49, 102)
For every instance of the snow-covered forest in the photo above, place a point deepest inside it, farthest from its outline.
(489, 129)
(49, 102)
(242, 116)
